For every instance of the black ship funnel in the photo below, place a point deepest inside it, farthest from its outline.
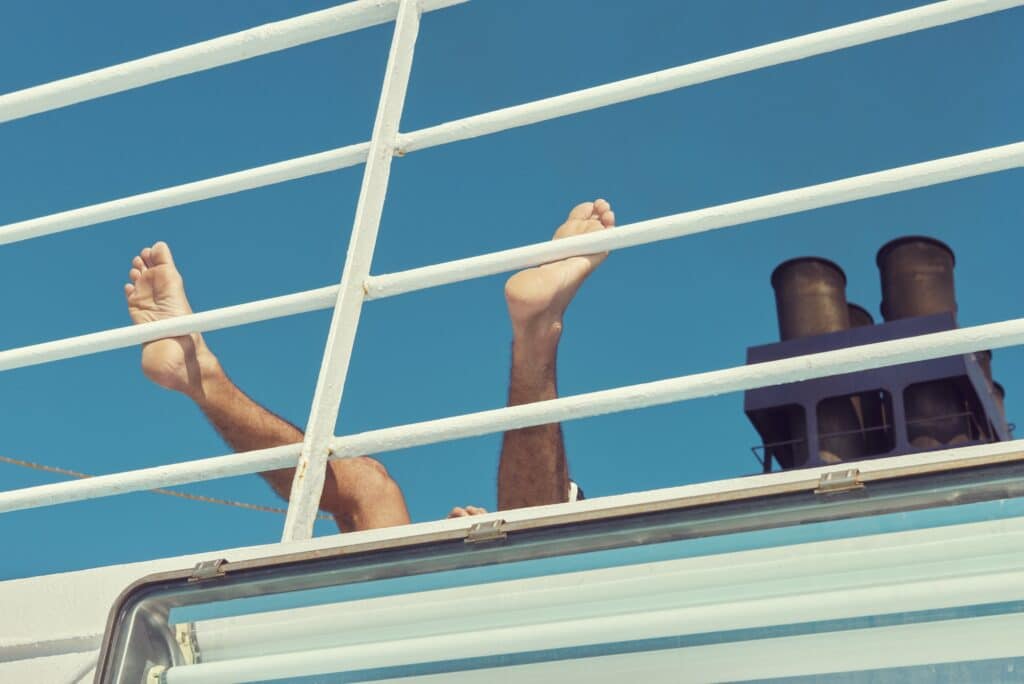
(810, 299)
(917, 280)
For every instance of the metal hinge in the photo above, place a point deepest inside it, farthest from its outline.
(487, 531)
(207, 570)
(839, 481)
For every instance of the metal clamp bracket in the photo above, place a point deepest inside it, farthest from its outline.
(487, 531)
(839, 481)
(208, 570)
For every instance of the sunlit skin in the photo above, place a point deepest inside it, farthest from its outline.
(359, 492)
(533, 470)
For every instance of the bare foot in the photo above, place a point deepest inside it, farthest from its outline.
(537, 297)
(460, 512)
(156, 292)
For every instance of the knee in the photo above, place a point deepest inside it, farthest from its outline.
(362, 481)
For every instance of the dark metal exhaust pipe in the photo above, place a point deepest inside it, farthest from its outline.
(917, 280)
(810, 299)
(859, 316)
(917, 277)
(869, 405)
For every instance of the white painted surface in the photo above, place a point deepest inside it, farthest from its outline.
(308, 483)
(64, 613)
(665, 598)
(909, 571)
(820, 42)
(67, 668)
(235, 47)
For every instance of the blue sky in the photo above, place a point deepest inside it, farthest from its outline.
(650, 312)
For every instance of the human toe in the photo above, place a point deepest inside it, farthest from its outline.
(582, 211)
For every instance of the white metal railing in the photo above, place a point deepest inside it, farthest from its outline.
(703, 71)
(357, 285)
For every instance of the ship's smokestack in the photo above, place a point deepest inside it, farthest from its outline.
(917, 277)
(869, 405)
(810, 299)
(917, 280)
(859, 316)
(878, 412)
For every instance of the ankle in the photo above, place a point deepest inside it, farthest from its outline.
(535, 349)
(537, 334)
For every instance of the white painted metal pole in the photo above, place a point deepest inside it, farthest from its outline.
(131, 335)
(724, 215)
(208, 54)
(739, 378)
(218, 186)
(308, 483)
(790, 50)
(520, 115)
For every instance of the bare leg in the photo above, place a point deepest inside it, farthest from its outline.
(358, 491)
(533, 470)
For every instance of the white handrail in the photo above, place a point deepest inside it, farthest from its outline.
(770, 54)
(308, 482)
(389, 285)
(208, 54)
(711, 383)
(857, 33)
(850, 189)
(186, 193)
(132, 335)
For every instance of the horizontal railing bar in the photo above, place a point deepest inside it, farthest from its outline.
(492, 122)
(771, 54)
(155, 477)
(850, 189)
(208, 54)
(711, 383)
(132, 335)
(668, 227)
(217, 186)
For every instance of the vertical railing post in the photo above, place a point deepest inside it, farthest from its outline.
(308, 483)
